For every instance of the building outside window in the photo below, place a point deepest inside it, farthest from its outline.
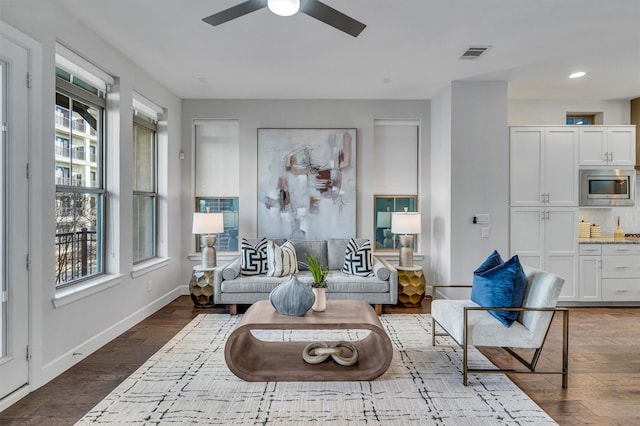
(144, 187)
(80, 184)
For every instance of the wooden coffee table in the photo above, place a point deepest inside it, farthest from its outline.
(256, 360)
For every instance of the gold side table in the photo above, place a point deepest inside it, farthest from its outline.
(411, 286)
(201, 287)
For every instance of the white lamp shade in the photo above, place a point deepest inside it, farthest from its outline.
(208, 223)
(406, 223)
(284, 7)
(384, 220)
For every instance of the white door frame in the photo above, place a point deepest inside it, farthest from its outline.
(33, 100)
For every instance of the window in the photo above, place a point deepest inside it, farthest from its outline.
(397, 171)
(383, 206)
(145, 197)
(584, 119)
(80, 181)
(217, 176)
(228, 239)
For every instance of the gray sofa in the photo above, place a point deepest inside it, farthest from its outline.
(233, 288)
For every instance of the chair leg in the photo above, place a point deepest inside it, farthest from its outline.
(465, 348)
(465, 367)
(433, 332)
(565, 349)
(233, 309)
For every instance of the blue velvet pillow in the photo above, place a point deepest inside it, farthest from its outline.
(490, 262)
(498, 284)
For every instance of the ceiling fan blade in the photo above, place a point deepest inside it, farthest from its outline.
(235, 12)
(330, 16)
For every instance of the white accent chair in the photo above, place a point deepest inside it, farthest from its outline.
(471, 325)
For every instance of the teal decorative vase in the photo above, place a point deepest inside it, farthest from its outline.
(292, 297)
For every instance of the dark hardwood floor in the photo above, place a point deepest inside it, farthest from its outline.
(604, 368)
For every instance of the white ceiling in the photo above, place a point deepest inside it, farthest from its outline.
(410, 49)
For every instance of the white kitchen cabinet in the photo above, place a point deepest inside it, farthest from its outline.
(589, 276)
(607, 146)
(547, 238)
(620, 272)
(544, 166)
(616, 279)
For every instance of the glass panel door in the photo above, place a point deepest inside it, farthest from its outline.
(14, 290)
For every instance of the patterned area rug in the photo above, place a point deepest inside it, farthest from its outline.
(188, 382)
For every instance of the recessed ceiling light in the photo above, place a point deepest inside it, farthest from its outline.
(578, 74)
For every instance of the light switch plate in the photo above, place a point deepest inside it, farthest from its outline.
(485, 232)
(482, 219)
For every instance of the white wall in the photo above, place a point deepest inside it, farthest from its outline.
(479, 173)
(553, 112)
(441, 193)
(254, 114)
(471, 163)
(87, 323)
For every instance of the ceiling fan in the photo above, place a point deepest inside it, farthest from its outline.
(313, 8)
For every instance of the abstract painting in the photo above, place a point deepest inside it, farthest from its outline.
(307, 183)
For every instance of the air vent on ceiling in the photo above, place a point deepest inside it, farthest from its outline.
(474, 52)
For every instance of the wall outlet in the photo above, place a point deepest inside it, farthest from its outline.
(485, 232)
(149, 285)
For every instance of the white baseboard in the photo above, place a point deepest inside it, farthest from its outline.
(78, 353)
(184, 290)
(14, 397)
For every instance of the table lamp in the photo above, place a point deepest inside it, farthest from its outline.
(207, 225)
(407, 224)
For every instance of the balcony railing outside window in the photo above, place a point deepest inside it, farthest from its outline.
(62, 151)
(75, 255)
(63, 181)
(79, 153)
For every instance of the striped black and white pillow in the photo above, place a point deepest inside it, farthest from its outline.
(281, 260)
(254, 258)
(358, 259)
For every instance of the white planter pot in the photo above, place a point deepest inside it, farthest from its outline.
(321, 300)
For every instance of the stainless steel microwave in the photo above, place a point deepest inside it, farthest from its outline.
(607, 187)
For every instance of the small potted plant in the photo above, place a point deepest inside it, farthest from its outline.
(319, 285)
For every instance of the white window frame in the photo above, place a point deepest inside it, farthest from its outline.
(151, 113)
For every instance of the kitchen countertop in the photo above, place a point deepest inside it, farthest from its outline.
(608, 240)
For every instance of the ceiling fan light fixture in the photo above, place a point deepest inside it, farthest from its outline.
(284, 7)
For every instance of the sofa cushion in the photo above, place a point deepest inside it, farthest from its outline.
(358, 259)
(281, 260)
(337, 282)
(498, 284)
(483, 328)
(317, 248)
(254, 257)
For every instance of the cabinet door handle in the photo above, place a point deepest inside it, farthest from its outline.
(622, 291)
(547, 196)
(622, 267)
